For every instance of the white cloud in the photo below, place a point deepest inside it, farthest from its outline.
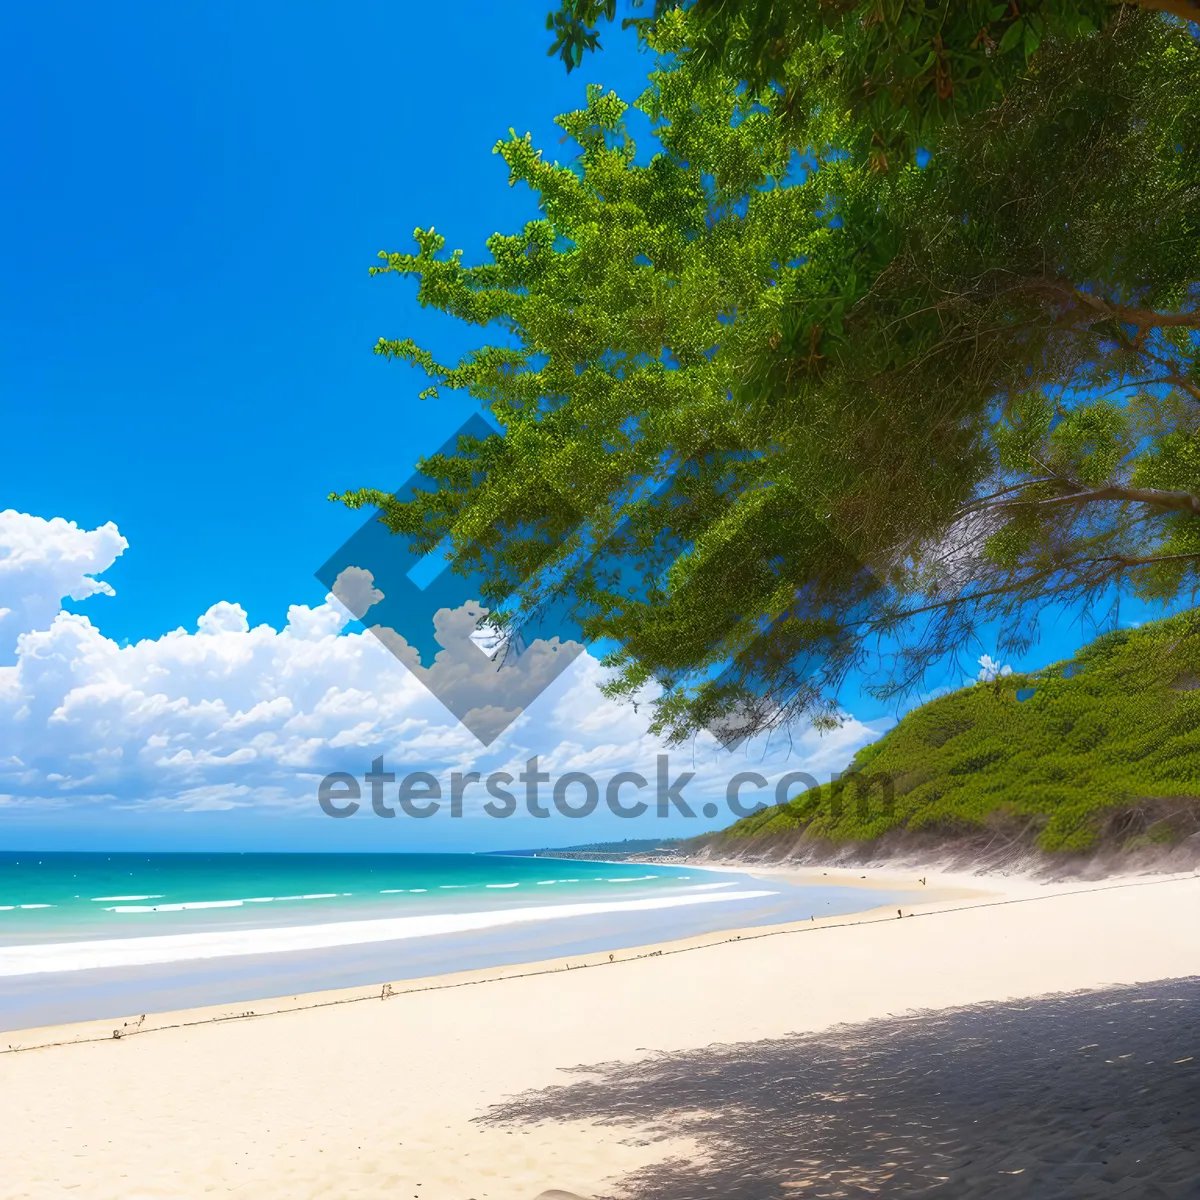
(43, 562)
(485, 690)
(224, 617)
(235, 717)
(355, 588)
(989, 669)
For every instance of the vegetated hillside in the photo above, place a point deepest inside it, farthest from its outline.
(1101, 750)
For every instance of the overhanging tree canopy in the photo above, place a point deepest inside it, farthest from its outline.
(902, 67)
(761, 408)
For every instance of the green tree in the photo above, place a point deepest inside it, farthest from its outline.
(768, 414)
(903, 67)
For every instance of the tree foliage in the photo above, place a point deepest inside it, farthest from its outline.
(766, 408)
(903, 67)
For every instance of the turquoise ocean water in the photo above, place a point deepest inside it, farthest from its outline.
(86, 935)
(66, 896)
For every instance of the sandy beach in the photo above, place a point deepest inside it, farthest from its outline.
(1007, 1037)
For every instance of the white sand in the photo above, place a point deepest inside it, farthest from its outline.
(377, 1098)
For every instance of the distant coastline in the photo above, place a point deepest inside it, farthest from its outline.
(649, 850)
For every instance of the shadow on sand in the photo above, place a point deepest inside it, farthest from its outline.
(1078, 1097)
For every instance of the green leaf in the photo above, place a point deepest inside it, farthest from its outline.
(1012, 37)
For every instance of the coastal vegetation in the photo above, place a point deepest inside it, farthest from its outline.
(1101, 750)
(903, 67)
(837, 372)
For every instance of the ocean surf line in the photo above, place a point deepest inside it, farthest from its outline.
(183, 947)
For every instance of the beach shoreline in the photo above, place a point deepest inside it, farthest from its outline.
(358, 1094)
(941, 891)
(236, 964)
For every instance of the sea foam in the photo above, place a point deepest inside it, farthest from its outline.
(183, 947)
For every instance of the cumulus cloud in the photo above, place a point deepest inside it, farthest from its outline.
(225, 716)
(355, 588)
(44, 562)
(483, 685)
(232, 716)
(989, 669)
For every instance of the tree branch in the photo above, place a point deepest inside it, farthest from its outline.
(1129, 560)
(1143, 318)
(1156, 497)
(1119, 561)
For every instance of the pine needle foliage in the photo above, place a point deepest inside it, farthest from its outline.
(767, 411)
(904, 68)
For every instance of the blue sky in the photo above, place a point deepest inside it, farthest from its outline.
(194, 195)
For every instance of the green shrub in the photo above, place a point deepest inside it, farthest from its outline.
(1088, 740)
